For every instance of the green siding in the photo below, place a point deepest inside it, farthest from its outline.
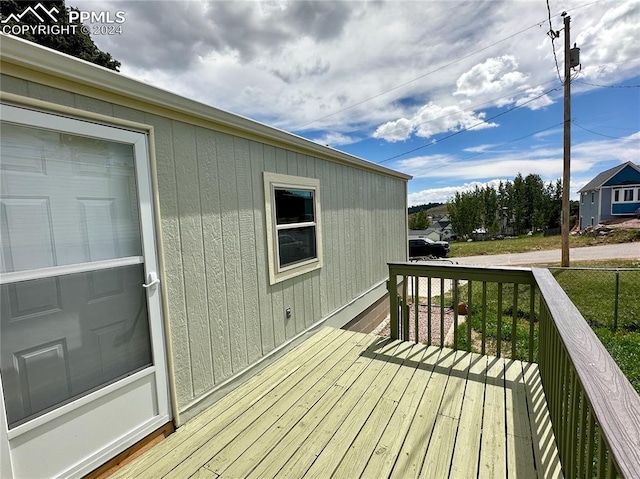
(223, 314)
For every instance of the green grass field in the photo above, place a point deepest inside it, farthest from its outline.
(525, 244)
(593, 293)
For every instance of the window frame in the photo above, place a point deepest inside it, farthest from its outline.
(622, 190)
(276, 181)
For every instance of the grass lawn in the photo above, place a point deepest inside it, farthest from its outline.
(592, 291)
(525, 244)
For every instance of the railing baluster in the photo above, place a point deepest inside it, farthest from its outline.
(484, 317)
(442, 332)
(416, 306)
(602, 456)
(514, 323)
(582, 433)
(573, 430)
(455, 314)
(564, 404)
(611, 468)
(405, 317)
(557, 421)
(499, 345)
(590, 444)
(532, 320)
(429, 304)
(469, 307)
(393, 303)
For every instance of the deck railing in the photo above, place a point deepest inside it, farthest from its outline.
(594, 410)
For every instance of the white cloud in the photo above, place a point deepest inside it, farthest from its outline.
(542, 160)
(479, 148)
(534, 99)
(304, 65)
(398, 130)
(493, 76)
(442, 195)
(336, 139)
(430, 120)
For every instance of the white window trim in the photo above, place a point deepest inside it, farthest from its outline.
(272, 181)
(635, 195)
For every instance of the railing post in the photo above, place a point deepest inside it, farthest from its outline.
(393, 303)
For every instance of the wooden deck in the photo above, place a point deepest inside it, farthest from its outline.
(351, 405)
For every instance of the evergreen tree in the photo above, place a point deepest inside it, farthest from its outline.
(517, 207)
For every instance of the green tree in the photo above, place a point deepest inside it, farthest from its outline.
(419, 220)
(465, 212)
(490, 210)
(534, 202)
(77, 43)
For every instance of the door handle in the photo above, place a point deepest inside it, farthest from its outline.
(152, 279)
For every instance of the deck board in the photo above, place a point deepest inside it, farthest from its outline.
(350, 405)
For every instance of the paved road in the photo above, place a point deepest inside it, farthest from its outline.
(588, 253)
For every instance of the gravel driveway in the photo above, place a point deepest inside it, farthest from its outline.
(423, 314)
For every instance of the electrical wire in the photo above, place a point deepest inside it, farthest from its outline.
(553, 35)
(419, 77)
(602, 134)
(607, 86)
(471, 108)
(440, 68)
(439, 140)
(495, 147)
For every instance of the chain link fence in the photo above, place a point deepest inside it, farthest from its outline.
(606, 297)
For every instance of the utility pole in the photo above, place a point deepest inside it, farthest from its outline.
(566, 176)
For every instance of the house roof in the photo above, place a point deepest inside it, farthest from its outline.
(28, 60)
(606, 175)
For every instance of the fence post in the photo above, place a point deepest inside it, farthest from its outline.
(615, 304)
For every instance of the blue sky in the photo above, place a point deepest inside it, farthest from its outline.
(390, 81)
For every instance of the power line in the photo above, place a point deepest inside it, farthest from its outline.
(471, 108)
(601, 134)
(437, 69)
(607, 86)
(439, 140)
(553, 35)
(495, 147)
(418, 78)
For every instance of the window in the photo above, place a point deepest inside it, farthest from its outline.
(593, 197)
(625, 195)
(293, 225)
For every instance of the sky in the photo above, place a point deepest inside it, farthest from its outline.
(455, 93)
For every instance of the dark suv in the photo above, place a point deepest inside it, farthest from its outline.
(428, 247)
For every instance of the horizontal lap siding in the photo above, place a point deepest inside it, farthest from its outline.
(223, 313)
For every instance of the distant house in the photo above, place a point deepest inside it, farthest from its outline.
(612, 194)
(440, 230)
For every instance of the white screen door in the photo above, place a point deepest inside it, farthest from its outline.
(82, 357)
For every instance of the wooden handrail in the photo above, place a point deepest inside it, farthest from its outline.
(504, 274)
(615, 404)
